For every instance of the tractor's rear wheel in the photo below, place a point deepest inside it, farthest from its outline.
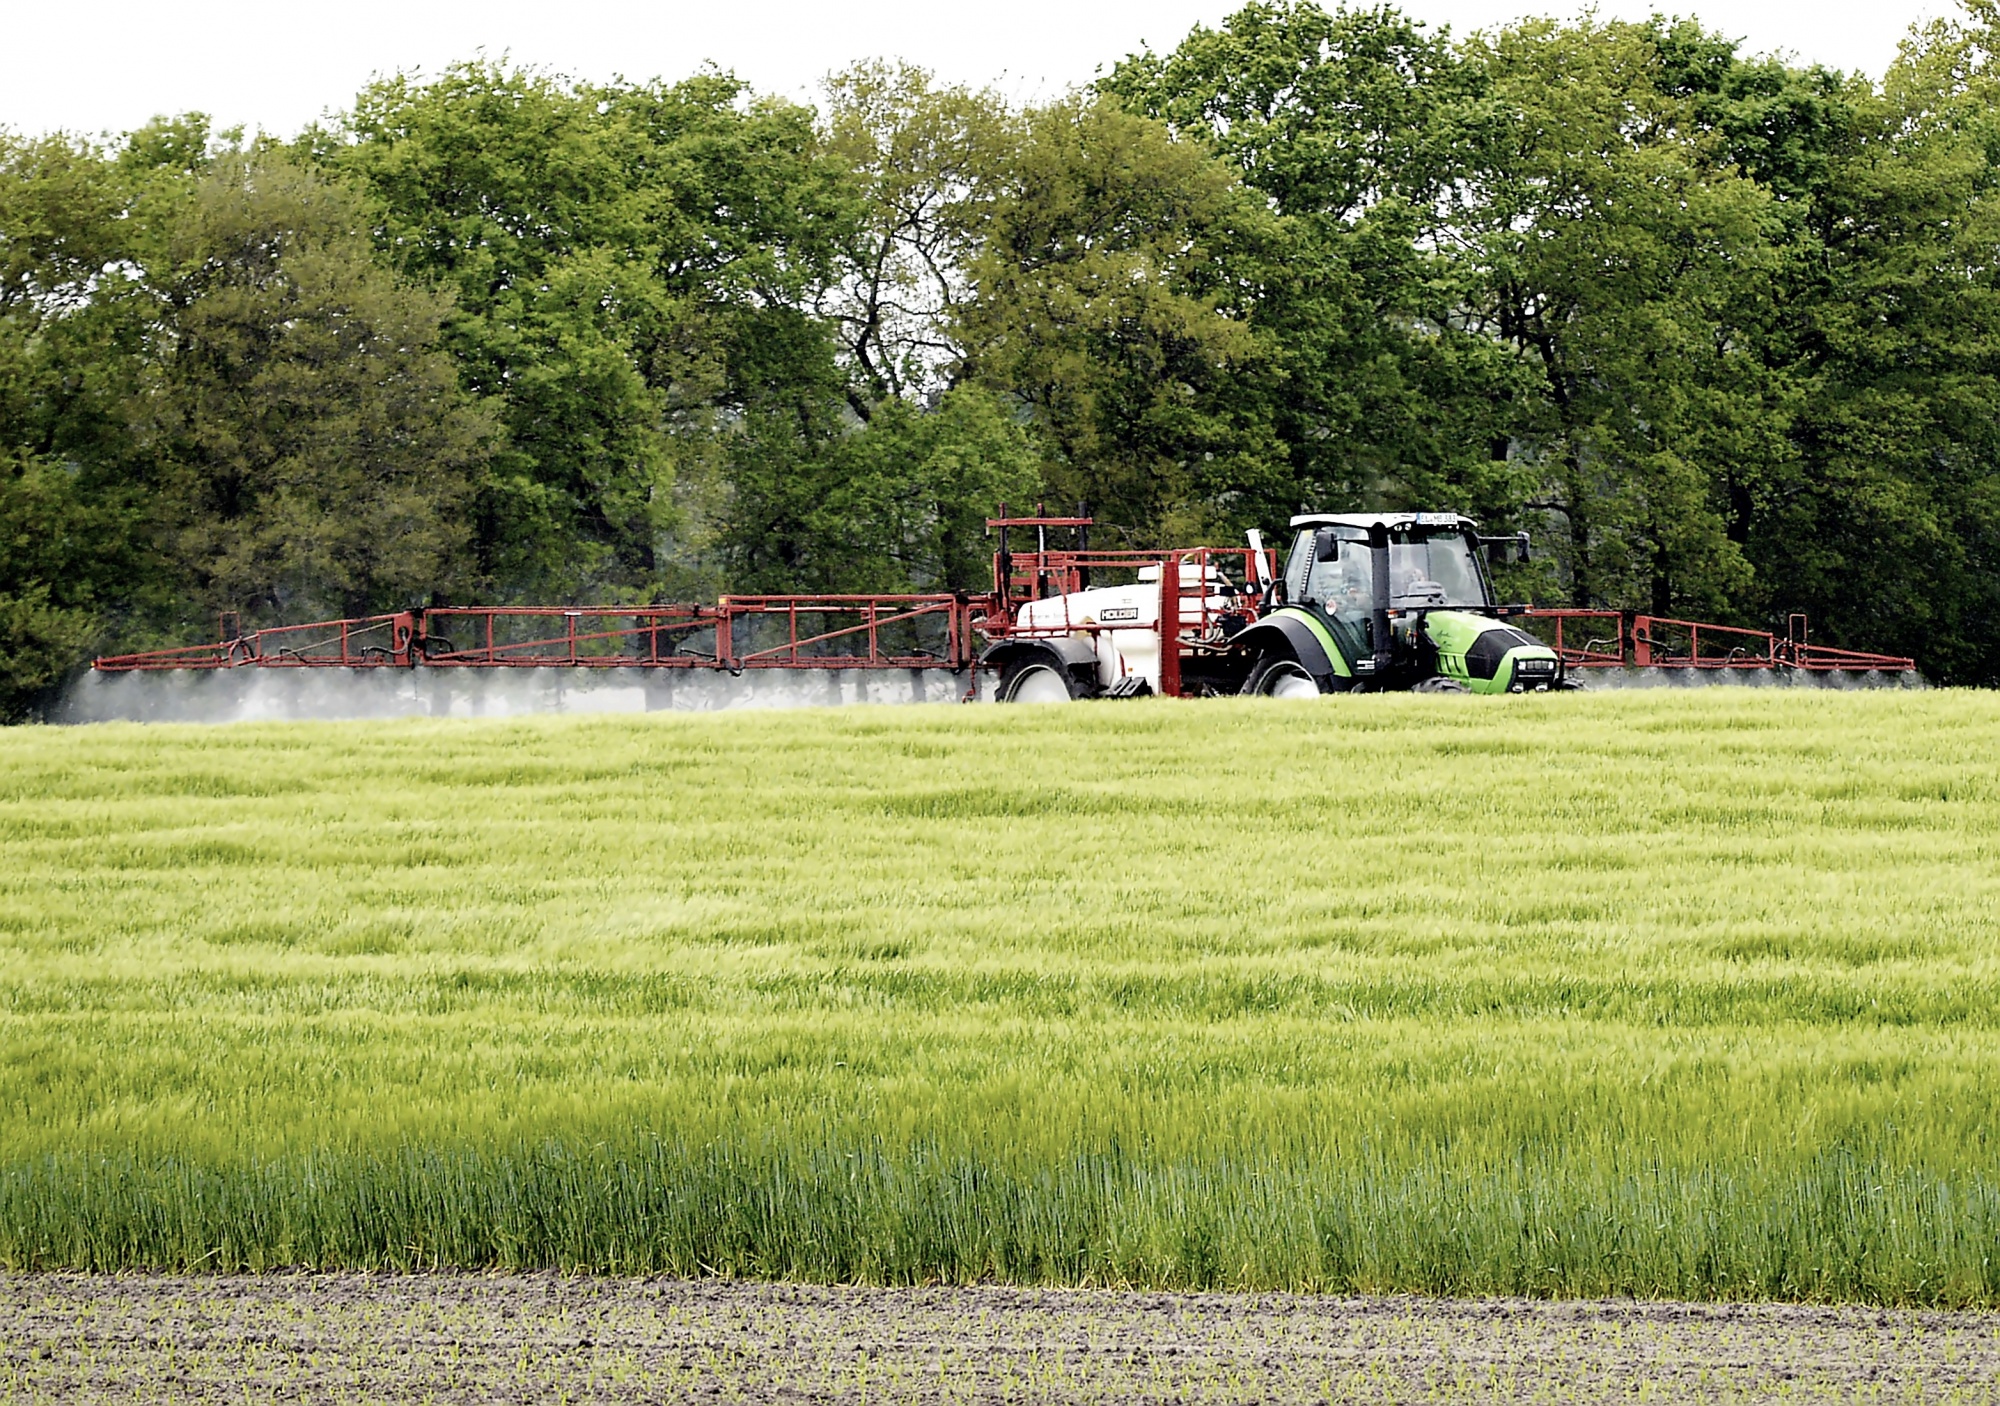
(1281, 678)
(1438, 683)
(1036, 681)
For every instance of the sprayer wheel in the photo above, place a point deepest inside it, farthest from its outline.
(1036, 682)
(1274, 677)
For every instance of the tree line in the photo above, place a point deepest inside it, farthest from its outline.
(1722, 331)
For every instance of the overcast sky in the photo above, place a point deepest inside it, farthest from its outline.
(109, 66)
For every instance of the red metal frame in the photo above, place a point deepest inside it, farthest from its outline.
(847, 631)
(364, 642)
(1617, 639)
(819, 632)
(1070, 572)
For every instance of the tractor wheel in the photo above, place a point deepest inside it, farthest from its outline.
(1274, 677)
(1438, 683)
(1036, 681)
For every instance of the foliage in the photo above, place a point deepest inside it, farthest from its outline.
(72, 317)
(1618, 255)
(308, 446)
(896, 504)
(66, 363)
(212, 397)
(55, 578)
(1348, 122)
(628, 263)
(1065, 996)
(1649, 275)
(1883, 527)
(925, 159)
(1115, 273)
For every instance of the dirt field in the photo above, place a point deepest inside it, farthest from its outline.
(445, 1338)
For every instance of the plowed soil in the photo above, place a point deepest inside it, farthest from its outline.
(463, 1338)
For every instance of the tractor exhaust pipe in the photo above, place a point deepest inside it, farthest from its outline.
(1378, 617)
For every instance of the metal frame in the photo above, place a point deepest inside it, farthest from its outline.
(369, 641)
(820, 632)
(1626, 639)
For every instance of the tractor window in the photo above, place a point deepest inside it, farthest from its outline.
(1442, 558)
(1330, 567)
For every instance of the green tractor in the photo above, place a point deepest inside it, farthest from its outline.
(1384, 601)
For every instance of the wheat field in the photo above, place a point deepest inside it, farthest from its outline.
(1684, 994)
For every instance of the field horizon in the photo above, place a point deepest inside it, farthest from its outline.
(1677, 994)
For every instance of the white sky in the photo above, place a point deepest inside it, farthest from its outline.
(110, 66)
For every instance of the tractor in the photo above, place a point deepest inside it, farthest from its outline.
(1368, 601)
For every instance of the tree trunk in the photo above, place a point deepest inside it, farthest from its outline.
(1582, 581)
(1663, 582)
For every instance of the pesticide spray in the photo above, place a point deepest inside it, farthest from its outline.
(1839, 679)
(353, 695)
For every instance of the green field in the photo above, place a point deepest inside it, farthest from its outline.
(1686, 994)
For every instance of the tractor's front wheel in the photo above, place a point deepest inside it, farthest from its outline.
(1036, 682)
(1439, 683)
(1281, 678)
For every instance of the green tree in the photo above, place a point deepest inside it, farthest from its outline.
(631, 267)
(1112, 290)
(307, 444)
(73, 322)
(72, 312)
(1350, 122)
(1890, 327)
(896, 504)
(1618, 254)
(1786, 129)
(875, 468)
(65, 563)
(925, 160)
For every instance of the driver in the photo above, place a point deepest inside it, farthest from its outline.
(1351, 589)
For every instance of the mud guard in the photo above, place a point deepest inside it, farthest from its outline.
(1296, 638)
(1077, 658)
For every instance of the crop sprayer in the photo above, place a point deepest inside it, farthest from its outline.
(1364, 601)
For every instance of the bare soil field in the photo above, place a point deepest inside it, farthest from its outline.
(465, 1338)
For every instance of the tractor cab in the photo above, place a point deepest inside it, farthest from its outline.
(1433, 560)
(1404, 600)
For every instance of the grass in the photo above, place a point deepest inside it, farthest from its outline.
(1688, 994)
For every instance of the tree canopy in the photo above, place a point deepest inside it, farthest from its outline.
(1723, 331)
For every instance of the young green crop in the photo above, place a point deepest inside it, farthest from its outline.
(1679, 993)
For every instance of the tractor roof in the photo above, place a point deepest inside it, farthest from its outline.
(1392, 521)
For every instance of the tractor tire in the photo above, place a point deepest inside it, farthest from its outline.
(1438, 683)
(1276, 677)
(1036, 681)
